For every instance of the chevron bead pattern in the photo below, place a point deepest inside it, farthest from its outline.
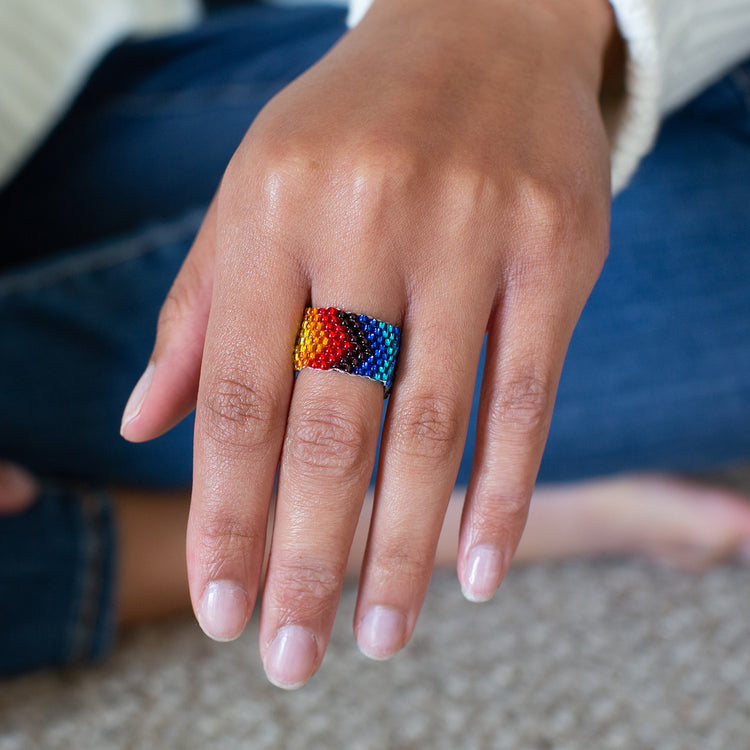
(331, 339)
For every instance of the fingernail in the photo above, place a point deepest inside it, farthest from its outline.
(381, 633)
(223, 610)
(291, 657)
(137, 397)
(482, 573)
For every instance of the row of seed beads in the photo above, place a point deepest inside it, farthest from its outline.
(323, 340)
(331, 338)
(336, 341)
(308, 343)
(383, 339)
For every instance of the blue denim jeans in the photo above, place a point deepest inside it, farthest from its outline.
(98, 222)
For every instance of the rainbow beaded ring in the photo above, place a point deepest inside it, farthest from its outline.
(331, 339)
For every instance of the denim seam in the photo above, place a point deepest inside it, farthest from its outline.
(51, 272)
(89, 583)
(194, 99)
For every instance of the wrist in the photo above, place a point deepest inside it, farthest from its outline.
(581, 32)
(591, 27)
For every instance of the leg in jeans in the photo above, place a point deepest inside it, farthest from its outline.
(656, 377)
(95, 230)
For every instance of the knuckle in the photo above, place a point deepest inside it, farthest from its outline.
(428, 426)
(368, 179)
(401, 561)
(327, 438)
(566, 231)
(522, 401)
(229, 536)
(174, 310)
(494, 509)
(471, 190)
(188, 295)
(551, 212)
(307, 585)
(274, 172)
(381, 161)
(239, 413)
(287, 171)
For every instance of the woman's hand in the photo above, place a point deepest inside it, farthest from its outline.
(444, 168)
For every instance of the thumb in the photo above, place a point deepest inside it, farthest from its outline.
(167, 390)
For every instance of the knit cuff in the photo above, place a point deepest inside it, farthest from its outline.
(676, 48)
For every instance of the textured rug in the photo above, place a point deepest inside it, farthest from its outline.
(596, 656)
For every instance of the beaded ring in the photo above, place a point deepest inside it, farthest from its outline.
(331, 339)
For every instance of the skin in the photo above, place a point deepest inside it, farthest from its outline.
(439, 169)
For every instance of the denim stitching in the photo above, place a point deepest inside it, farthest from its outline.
(89, 583)
(194, 99)
(52, 272)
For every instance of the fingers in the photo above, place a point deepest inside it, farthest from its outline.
(167, 390)
(526, 345)
(421, 450)
(241, 412)
(326, 464)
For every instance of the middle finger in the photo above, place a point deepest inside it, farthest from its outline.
(326, 464)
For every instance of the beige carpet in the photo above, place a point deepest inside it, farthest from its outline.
(590, 656)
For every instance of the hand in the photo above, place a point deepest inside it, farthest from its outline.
(444, 168)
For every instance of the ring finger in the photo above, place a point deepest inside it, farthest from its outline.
(423, 440)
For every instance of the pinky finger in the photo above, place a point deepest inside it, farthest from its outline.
(518, 392)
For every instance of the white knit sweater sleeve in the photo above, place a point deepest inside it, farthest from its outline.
(675, 49)
(47, 47)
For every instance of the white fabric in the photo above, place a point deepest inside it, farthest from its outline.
(47, 48)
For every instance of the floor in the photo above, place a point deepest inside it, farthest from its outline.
(591, 655)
